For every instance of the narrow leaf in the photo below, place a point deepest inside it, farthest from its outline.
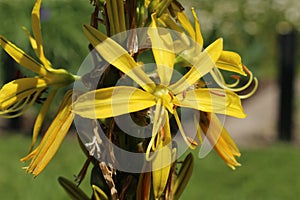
(74, 192)
(183, 176)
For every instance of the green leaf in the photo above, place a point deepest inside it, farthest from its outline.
(73, 191)
(183, 176)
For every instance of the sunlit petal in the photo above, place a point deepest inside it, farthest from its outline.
(230, 61)
(220, 139)
(212, 100)
(202, 65)
(52, 138)
(36, 28)
(22, 58)
(183, 41)
(18, 95)
(161, 166)
(198, 35)
(116, 55)
(113, 101)
(43, 59)
(186, 24)
(41, 116)
(163, 51)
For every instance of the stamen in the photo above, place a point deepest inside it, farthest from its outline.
(20, 106)
(182, 131)
(192, 141)
(217, 93)
(252, 91)
(217, 76)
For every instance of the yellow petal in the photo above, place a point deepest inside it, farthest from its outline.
(219, 138)
(18, 95)
(212, 100)
(198, 36)
(162, 162)
(230, 61)
(116, 55)
(182, 42)
(41, 116)
(186, 24)
(113, 101)
(22, 58)
(202, 65)
(34, 45)
(31, 40)
(161, 166)
(214, 50)
(36, 28)
(163, 51)
(52, 138)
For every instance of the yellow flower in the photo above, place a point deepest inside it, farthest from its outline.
(114, 101)
(165, 96)
(18, 95)
(228, 61)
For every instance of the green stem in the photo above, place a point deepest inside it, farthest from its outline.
(121, 15)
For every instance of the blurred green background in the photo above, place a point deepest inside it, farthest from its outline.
(249, 27)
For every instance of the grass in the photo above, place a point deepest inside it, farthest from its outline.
(16, 184)
(267, 173)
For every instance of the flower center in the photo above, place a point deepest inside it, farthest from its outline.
(166, 96)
